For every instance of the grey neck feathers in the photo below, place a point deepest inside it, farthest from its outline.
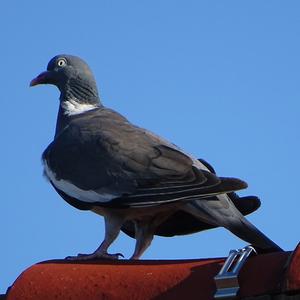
(62, 121)
(81, 90)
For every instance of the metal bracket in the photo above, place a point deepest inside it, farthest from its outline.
(227, 279)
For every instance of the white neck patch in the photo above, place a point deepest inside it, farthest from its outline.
(73, 107)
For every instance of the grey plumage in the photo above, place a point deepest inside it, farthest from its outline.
(99, 161)
(182, 223)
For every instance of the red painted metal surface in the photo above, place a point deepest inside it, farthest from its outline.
(292, 278)
(159, 280)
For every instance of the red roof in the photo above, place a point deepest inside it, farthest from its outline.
(149, 279)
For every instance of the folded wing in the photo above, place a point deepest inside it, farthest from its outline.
(138, 168)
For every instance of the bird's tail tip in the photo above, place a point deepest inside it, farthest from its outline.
(229, 184)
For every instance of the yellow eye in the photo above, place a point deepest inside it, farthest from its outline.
(61, 62)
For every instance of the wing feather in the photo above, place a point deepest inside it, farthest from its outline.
(105, 153)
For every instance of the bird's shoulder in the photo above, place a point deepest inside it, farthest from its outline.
(106, 130)
(104, 135)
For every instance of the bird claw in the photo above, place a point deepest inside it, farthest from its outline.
(95, 255)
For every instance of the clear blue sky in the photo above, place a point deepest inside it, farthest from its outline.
(219, 78)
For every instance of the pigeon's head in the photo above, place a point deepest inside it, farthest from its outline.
(72, 76)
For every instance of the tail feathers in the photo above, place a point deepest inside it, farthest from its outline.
(249, 233)
(222, 212)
